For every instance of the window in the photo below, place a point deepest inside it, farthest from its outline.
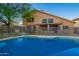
(44, 20)
(47, 20)
(31, 28)
(65, 27)
(50, 20)
(30, 20)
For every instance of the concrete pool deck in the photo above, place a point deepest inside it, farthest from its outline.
(41, 36)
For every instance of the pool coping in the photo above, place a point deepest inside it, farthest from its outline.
(10, 38)
(39, 36)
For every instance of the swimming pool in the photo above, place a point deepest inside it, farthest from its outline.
(36, 46)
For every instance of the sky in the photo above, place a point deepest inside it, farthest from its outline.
(66, 10)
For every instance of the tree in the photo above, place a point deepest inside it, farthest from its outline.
(26, 11)
(9, 11)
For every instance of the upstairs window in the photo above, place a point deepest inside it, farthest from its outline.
(65, 27)
(50, 20)
(44, 20)
(30, 20)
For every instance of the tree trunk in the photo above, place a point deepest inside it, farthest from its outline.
(8, 25)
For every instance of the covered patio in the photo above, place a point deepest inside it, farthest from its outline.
(48, 27)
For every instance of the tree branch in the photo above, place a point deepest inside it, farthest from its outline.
(3, 21)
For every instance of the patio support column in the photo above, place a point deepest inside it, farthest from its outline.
(48, 27)
(37, 28)
(60, 30)
(61, 27)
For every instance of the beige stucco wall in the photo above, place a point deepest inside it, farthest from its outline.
(76, 23)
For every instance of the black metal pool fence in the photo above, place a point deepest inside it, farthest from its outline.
(54, 31)
(6, 29)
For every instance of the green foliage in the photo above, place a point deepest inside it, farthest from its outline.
(10, 11)
(7, 13)
(26, 10)
(29, 14)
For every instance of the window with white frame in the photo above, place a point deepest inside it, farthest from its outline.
(65, 27)
(44, 20)
(50, 20)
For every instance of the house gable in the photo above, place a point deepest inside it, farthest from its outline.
(39, 15)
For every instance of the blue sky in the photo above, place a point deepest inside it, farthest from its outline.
(66, 10)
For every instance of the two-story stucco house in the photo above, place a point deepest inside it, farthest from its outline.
(43, 21)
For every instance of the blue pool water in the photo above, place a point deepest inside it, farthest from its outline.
(33, 46)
